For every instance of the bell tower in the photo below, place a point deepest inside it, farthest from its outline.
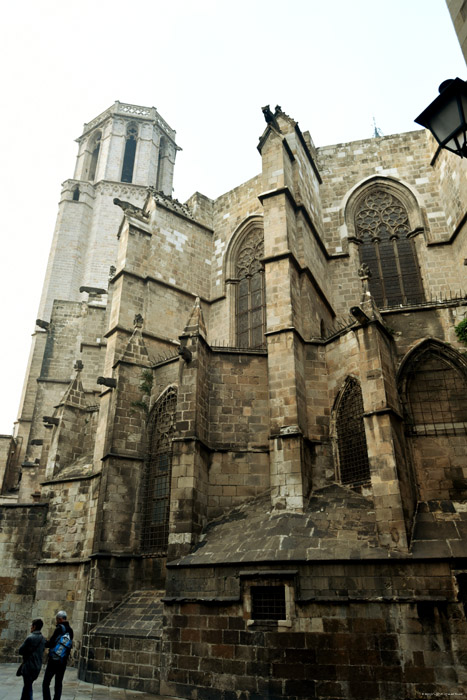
(121, 153)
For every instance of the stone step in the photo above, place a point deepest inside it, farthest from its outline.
(140, 614)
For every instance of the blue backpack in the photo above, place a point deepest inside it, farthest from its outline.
(62, 647)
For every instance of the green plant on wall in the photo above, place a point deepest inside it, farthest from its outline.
(147, 381)
(461, 331)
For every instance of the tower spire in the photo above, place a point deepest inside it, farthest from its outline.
(377, 133)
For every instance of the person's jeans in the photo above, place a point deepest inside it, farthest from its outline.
(27, 689)
(57, 669)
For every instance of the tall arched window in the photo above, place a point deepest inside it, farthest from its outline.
(95, 148)
(250, 291)
(156, 496)
(160, 164)
(354, 467)
(130, 152)
(382, 225)
(433, 387)
(435, 395)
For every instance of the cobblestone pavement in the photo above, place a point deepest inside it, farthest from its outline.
(73, 688)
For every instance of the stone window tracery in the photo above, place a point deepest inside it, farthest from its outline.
(156, 497)
(354, 467)
(130, 153)
(250, 291)
(382, 225)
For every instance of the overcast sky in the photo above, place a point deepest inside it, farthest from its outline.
(208, 66)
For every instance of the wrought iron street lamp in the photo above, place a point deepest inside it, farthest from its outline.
(446, 118)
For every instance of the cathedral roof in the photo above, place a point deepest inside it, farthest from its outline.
(338, 524)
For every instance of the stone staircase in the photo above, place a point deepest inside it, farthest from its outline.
(124, 648)
(138, 615)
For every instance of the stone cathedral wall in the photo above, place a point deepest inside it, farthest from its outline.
(238, 430)
(387, 644)
(257, 498)
(439, 192)
(21, 532)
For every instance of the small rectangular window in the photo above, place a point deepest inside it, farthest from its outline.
(268, 603)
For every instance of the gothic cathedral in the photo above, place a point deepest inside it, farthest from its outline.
(240, 457)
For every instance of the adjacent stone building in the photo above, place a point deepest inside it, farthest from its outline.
(458, 12)
(240, 461)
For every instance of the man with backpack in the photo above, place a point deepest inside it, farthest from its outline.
(32, 650)
(59, 646)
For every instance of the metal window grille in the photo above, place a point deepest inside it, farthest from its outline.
(436, 400)
(156, 499)
(354, 466)
(251, 302)
(268, 603)
(382, 224)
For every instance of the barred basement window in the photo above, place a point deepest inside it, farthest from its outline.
(354, 467)
(156, 500)
(250, 302)
(436, 400)
(268, 603)
(130, 152)
(382, 225)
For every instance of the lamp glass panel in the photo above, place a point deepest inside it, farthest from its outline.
(445, 121)
(464, 106)
(463, 101)
(458, 141)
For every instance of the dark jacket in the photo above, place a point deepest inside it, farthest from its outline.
(59, 630)
(32, 651)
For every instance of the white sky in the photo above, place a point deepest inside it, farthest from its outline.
(208, 66)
